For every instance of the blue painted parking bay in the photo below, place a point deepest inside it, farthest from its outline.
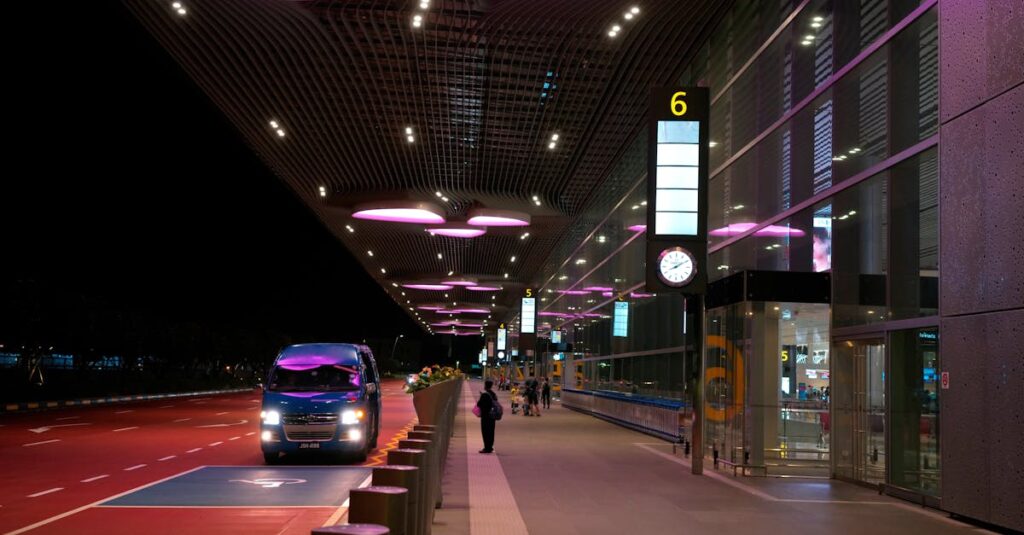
(250, 486)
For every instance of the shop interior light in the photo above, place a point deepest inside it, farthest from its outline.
(400, 212)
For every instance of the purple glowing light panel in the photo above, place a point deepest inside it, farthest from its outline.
(599, 289)
(776, 231)
(430, 307)
(457, 232)
(423, 286)
(483, 288)
(464, 310)
(400, 215)
(573, 292)
(637, 228)
(485, 217)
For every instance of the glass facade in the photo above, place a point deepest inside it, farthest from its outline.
(823, 160)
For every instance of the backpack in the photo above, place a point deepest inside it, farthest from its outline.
(496, 410)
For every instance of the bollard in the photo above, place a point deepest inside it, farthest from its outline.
(405, 476)
(352, 529)
(443, 439)
(435, 450)
(433, 470)
(379, 505)
(418, 458)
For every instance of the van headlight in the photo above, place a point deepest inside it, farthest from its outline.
(351, 416)
(271, 417)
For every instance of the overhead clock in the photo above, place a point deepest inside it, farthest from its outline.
(676, 266)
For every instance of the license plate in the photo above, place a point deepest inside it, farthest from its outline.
(309, 446)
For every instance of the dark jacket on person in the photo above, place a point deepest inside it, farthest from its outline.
(487, 400)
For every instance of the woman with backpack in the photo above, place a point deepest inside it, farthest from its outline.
(489, 410)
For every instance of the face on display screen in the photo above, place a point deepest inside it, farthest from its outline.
(822, 244)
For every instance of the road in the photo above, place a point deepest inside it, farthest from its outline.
(58, 466)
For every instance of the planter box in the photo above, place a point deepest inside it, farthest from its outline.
(431, 402)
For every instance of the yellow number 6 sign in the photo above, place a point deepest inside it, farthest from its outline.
(677, 104)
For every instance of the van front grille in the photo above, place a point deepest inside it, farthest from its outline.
(320, 418)
(310, 433)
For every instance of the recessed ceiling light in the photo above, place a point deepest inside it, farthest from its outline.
(280, 132)
(370, 253)
(410, 139)
(551, 145)
(634, 10)
(408, 130)
(418, 18)
(382, 270)
(506, 275)
(818, 19)
(349, 228)
(273, 124)
(438, 194)
(524, 236)
(450, 273)
(439, 257)
(323, 191)
(612, 34)
(616, 28)
(628, 16)
(417, 23)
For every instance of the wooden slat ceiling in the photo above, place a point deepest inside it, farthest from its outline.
(483, 84)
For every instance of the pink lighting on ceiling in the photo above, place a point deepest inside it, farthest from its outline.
(554, 314)
(638, 295)
(599, 288)
(637, 228)
(483, 288)
(435, 287)
(443, 324)
(400, 212)
(776, 231)
(454, 230)
(607, 294)
(430, 307)
(486, 217)
(472, 310)
(592, 315)
(573, 292)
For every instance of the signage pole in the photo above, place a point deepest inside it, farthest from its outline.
(697, 433)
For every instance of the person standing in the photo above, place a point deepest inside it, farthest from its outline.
(488, 400)
(545, 394)
(533, 393)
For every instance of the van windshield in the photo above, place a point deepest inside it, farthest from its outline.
(309, 378)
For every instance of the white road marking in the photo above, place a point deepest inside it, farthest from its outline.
(254, 400)
(45, 428)
(341, 510)
(43, 442)
(126, 429)
(169, 457)
(234, 438)
(252, 408)
(216, 444)
(91, 479)
(179, 420)
(38, 494)
(250, 434)
(97, 502)
(193, 450)
(240, 422)
(221, 413)
(136, 467)
(68, 418)
(122, 412)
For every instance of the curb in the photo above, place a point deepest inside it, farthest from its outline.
(43, 405)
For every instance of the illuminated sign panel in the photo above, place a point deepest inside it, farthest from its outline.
(556, 337)
(677, 190)
(502, 335)
(620, 321)
(528, 316)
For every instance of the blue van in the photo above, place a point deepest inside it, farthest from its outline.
(321, 398)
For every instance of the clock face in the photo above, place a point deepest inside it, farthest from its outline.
(676, 266)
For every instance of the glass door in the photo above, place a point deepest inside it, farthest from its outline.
(859, 404)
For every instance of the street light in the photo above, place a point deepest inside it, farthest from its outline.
(395, 345)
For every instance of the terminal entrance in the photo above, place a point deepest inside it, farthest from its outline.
(859, 409)
(768, 387)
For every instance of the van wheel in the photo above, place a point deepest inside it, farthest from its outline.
(270, 458)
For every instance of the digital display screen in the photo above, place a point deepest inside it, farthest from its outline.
(620, 321)
(556, 337)
(822, 246)
(676, 200)
(528, 318)
(502, 334)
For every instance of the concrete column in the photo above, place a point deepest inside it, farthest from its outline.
(763, 382)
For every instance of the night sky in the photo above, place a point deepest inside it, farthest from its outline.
(130, 185)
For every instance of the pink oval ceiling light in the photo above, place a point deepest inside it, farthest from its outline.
(483, 288)
(487, 217)
(599, 289)
(456, 230)
(637, 228)
(424, 286)
(400, 212)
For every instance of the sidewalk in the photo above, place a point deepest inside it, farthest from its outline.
(567, 473)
